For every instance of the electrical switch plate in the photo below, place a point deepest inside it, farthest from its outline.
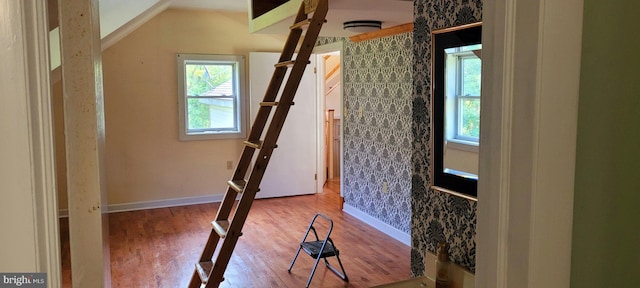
(360, 112)
(385, 187)
(229, 165)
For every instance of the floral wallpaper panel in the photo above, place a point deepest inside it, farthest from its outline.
(436, 216)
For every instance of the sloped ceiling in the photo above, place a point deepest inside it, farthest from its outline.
(114, 14)
(118, 18)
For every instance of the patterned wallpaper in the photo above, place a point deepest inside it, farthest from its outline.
(436, 216)
(391, 141)
(378, 85)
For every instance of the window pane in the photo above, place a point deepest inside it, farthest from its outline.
(211, 113)
(209, 79)
(469, 125)
(471, 72)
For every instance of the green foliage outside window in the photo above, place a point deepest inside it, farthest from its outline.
(200, 79)
(470, 118)
(470, 106)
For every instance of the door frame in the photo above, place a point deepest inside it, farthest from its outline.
(529, 126)
(337, 46)
(35, 189)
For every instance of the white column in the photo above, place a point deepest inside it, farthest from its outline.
(84, 135)
(531, 73)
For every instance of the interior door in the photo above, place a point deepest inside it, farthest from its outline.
(292, 168)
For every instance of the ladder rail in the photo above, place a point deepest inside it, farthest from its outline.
(232, 238)
(276, 123)
(286, 99)
(262, 116)
(276, 80)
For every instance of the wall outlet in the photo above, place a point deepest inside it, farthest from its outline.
(385, 187)
(229, 165)
(360, 112)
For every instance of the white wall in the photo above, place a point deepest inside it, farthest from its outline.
(333, 102)
(463, 160)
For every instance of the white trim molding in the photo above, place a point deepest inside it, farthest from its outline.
(42, 143)
(320, 154)
(377, 224)
(531, 54)
(154, 204)
(27, 169)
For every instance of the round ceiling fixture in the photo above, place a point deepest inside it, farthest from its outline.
(362, 26)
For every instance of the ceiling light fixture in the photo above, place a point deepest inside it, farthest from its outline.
(362, 26)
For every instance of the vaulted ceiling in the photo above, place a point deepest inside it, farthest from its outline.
(116, 13)
(120, 17)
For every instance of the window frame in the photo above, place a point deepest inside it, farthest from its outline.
(441, 40)
(239, 98)
(459, 97)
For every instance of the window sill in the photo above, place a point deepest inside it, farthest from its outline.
(212, 136)
(462, 145)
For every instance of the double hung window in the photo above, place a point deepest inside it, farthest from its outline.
(463, 95)
(211, 96)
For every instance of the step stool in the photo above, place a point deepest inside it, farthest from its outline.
(314, 248)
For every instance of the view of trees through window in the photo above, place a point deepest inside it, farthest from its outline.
(469, 110)
(210, 96)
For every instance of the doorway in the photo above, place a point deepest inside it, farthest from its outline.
(330, 103)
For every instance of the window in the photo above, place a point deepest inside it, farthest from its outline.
(463, 97)
(211, 97)
(456, 62)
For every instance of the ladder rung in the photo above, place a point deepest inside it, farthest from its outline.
(303, 23)
(285, 63)
(221, 227)
(217, 252)
(254, 145)
(288, 63)
(263, 104)
(204, 270)
(300, 24)
(237, 185)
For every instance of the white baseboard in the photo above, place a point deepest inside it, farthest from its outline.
(375, 223)
(133, 206)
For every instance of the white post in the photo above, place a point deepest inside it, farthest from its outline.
(531, 69)
(84, 135)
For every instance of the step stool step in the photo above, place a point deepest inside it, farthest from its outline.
(313, 249)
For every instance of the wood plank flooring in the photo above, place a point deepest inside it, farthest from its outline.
(159, 247)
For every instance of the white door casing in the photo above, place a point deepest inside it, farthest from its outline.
(529, 123)
(336, 46)
(28, 213)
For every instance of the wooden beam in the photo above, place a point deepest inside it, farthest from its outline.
(52, 8)
(403, 28)
(333, 71)
(85, 141)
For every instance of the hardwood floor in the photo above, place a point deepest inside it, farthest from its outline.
(159, 247)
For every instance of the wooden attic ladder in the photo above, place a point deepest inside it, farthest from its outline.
(226, 230)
